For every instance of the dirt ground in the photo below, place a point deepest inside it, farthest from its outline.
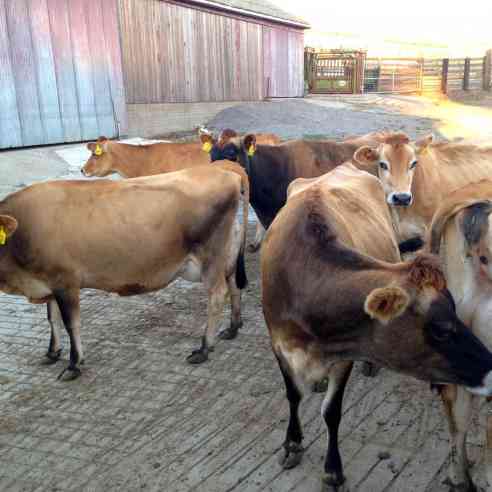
(141, 418)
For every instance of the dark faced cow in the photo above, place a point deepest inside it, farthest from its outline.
(332, 294)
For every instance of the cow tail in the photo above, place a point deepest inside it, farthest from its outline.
(241, 278)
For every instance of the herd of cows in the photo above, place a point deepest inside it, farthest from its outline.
(338, 218)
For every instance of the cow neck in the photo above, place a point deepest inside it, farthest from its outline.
(129, 159)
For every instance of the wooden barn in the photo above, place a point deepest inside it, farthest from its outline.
(72, 70)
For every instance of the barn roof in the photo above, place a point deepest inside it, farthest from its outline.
(255, 8)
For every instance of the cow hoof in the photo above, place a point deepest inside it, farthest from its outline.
(369, 369)
(70, 373)
(334, 482)
(197, 357)
(231, 332)
(53, 356)
(320, 386)
(466, 486)
(291, 455)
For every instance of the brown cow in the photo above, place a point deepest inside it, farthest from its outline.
(133, 161)
(463, 225)
(129, 237)
(332, 295)
(417, 176)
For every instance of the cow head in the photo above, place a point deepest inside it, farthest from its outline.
(224, 148)
(419, 332)
(100, 163)
(396, 160)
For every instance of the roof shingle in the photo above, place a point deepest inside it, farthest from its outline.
(262, 7)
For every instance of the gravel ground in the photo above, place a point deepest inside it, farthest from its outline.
(303, 119)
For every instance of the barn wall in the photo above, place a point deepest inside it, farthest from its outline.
(283, 62)
(173, 53)
(60, 77)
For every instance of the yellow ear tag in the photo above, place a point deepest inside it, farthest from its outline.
(3, 236)
(251, 150)
(98, 150)
(207, 147)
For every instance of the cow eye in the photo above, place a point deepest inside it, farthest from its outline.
(413, 164)
(441, 331)
(383, 165)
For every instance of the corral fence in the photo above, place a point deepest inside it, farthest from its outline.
(336, 71)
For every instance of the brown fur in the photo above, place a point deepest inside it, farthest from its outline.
(441, 169)
(426, 271)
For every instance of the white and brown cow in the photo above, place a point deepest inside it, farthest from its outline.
(417, 176)
(129, 237)
(332, 295)
(462, 233)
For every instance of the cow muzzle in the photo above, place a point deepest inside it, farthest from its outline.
(485, 389)
(400, 199)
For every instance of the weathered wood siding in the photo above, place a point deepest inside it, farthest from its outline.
(284, 62)
(175, 53)
(60, 71)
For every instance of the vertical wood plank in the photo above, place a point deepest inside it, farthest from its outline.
(83, 65)
(108, 78)
(243, 52)
(115, 67)
(65, 74)
(267, 61)
(236, 61)
(10, 127)
(18, 27)
(49, 106)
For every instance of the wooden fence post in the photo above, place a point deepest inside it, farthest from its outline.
(466, 75)
(444, 75)
(487, 71)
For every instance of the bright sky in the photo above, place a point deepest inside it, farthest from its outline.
(458, 23)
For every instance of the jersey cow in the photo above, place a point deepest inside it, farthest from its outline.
(462, 232)
(333, 294)
(416, 176)
(128, 237)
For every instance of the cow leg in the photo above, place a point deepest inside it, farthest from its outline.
(216, 301)
(331, 411)
(458, 407)
(54, 348)
(236, 322)
(292, 451)
(69, 305)
(259, 235)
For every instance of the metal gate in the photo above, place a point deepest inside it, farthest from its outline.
(393, 75)
(335, 71)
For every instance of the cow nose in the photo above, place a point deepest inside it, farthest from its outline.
(401, 199)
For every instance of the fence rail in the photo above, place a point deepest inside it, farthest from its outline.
(407, 75)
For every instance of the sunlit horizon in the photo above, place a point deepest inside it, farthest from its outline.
(421, 28)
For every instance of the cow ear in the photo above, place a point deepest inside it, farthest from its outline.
(386, 303)
(366, 156)
(249, 143)
(206, 137)
(422, 145)
(8, 225)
